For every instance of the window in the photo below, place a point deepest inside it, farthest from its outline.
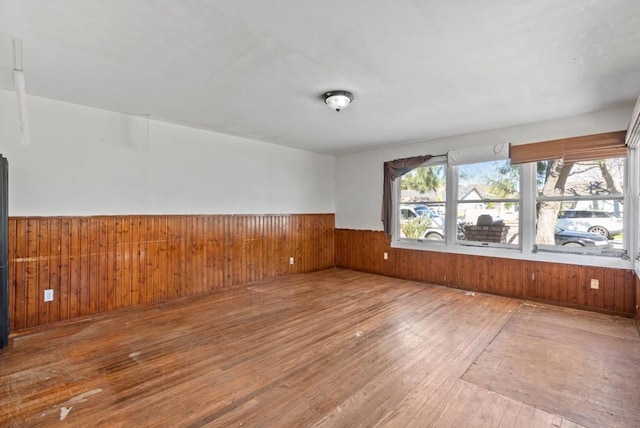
(423, 203)
(580, 205)
(567, 207)
(488, 203)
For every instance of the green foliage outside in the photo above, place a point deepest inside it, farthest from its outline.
(506, 185)
(424, 179)
(416, 227)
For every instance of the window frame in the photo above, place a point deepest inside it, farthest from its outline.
(457, 202)
(397, 207)
(617, 253)
(527, 224)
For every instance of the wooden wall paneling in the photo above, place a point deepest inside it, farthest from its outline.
(104, 291)
(534, 278)
(185, 258)
(285, 248)
(42, 269)
(65, 273)
(271, 249)
(543, 285)
(268, 266)
(201, 253)
(221, 248)
(197, 267)
(299, 248)
(549, 282)
(93, 266)
(20, 278)
(134, 255)
(12, 273)
(637, 299)
(515, 278)
(195, 270)
(130, 269)
(629, 292)
(32, 272)
(257, 243)
(246, 250)
(498, 277)
(592, 295)
(119, 261)
(102, 263)
(83, 256)
(619, 298)
(570, 280)
(107, 230)
(148, 242)
(208, 251)
(53, 255)
(174, 247)
(141, 258)
(609, 293)
(234, 239)
(160, 273)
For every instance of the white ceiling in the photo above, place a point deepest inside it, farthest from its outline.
(419, 69)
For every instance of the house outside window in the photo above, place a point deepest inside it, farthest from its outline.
(488, 205)
(574, 206)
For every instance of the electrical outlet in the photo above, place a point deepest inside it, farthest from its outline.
(48, 295)
(595, 284)
(290, 260)
(385, 256)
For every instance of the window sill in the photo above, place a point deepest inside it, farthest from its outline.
(517, 254)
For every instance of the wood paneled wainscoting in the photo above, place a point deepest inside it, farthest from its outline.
(556, 283)
(102, 263)
(638, 300)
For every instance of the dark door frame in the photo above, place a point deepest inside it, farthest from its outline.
(4, 252)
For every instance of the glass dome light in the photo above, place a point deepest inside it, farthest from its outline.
(338, 100)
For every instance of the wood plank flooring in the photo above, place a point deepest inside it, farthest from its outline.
(600, 385)
(330, 348)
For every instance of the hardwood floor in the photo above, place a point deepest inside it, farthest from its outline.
(330, 348)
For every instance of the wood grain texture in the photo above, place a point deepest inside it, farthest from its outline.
(637, 281)
(103, 263)
(555, 365)
(555, 283)
(334, 348)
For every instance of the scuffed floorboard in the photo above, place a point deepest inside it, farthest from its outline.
(330, 348)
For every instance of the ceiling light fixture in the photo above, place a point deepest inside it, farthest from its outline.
(338, 100)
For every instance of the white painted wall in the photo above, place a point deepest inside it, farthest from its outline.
(359, 175)
(86, 161)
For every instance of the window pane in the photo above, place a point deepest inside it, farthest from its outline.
(422, 203)
(488, 180)
(502, 226)
(586, 178)
(483, 213)
(583, 223)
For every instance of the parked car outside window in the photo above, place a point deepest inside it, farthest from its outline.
(572, 238)
(436, 231)
(600, 222)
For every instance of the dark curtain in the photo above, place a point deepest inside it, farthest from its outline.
(392, 170)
